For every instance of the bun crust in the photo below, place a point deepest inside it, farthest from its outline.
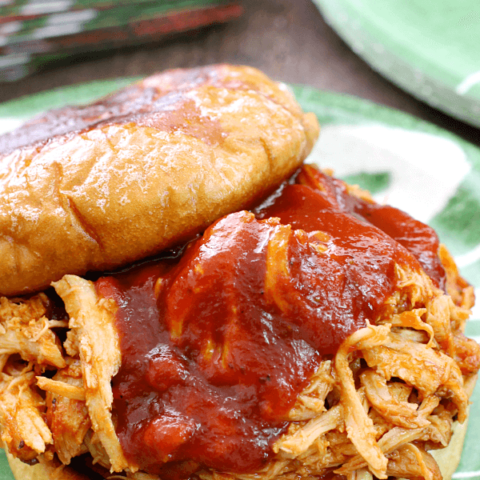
(448, 458)
(97, 187)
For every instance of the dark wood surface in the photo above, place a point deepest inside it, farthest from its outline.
(288, 39)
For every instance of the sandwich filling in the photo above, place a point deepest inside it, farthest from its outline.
(319, 333)
(217, 345)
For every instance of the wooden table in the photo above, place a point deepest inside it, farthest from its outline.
(288, 39)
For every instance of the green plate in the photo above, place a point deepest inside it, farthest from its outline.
(429, 48)
(418, 167)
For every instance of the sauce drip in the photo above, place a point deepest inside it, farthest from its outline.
(218, 342)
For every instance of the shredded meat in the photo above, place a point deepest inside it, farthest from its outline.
(67, 417)
(24, 430)
(61, 388)
(412, 461)
(391, 393)
(24, 329)
(312, 400)
(98, 453)
(92, 319)
(358, 424)
(458, 289)
(379, 417)
(384, 401)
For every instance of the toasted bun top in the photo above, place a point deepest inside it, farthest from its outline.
(97, 187)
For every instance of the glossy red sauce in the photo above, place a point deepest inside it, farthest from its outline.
(419, 239)
(218, 343)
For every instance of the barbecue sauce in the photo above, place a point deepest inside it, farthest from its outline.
(218, 342)
(419, 239)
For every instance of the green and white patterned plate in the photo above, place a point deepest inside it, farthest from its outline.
(422, 169)
(430, 48)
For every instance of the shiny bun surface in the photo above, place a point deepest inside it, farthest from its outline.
(96, 187)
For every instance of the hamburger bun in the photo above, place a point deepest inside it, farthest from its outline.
(142, 170)
(448, 458)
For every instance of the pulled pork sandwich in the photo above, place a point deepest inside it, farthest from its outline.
(308, 332)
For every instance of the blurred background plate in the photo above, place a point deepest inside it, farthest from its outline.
(88, 19)
(23, 9)
(430, 48)
(29, 41)
(430, 173)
